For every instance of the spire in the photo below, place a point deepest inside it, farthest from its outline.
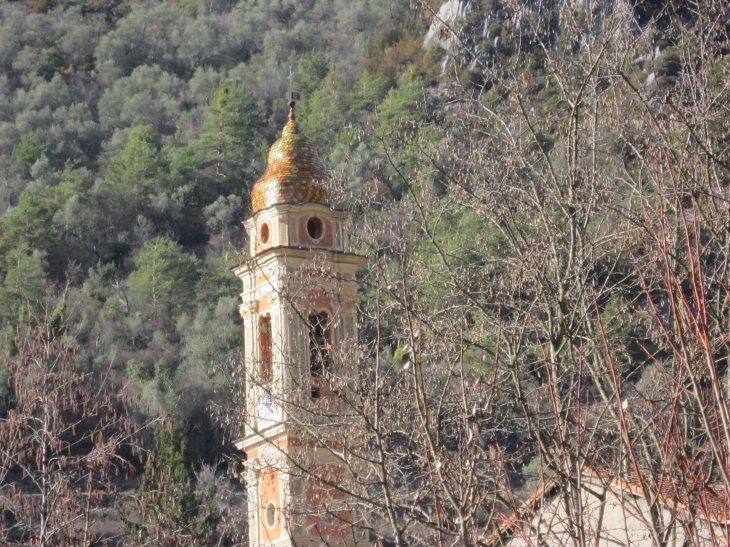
(294, 172)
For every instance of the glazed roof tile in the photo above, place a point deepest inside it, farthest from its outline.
(294, 172)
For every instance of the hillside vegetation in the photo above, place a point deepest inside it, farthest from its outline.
(130, 136)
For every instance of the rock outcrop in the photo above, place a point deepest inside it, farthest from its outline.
(446, 23)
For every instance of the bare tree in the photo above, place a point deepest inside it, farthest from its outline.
(549, 297)
(64, 440)
(176, 507)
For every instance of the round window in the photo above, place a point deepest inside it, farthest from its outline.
(327, 517)
(264, 233)
(270, 514)
(315, 228)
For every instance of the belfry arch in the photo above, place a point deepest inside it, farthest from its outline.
(320, 342)
(266, 349)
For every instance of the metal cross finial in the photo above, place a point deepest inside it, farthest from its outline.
(293, 95)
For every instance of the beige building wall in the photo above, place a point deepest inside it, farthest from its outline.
(613, 514)
(289, 276)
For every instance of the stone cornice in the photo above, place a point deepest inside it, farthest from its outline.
(301, 254)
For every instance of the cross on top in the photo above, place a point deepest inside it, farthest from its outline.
(293, 95)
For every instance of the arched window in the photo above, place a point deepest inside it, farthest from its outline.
(265, 347)
(320, 343)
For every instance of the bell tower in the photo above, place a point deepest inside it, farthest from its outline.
(299, 310)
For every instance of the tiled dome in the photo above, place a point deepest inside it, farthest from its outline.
(293, 171)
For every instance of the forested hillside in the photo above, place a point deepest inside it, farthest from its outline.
(131, 133)
(540, 186)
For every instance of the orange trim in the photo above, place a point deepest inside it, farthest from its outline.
(529, 506)
(664, 498)
(269, 490)
(320, 301)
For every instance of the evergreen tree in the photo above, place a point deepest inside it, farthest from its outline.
(164, 281)
(138, 167)
(323, 116)
(24, 285)
(313, 69)
(173, 511)
(29, 150)
(31, 229)
(133, 178)
(227, 143)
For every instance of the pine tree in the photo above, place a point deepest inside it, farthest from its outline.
(173, 512)
(227, 143)
(164, 281)
(137, 170)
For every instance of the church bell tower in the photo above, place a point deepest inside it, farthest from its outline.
(299, 313)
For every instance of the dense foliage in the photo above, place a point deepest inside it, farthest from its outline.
(130, 135)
